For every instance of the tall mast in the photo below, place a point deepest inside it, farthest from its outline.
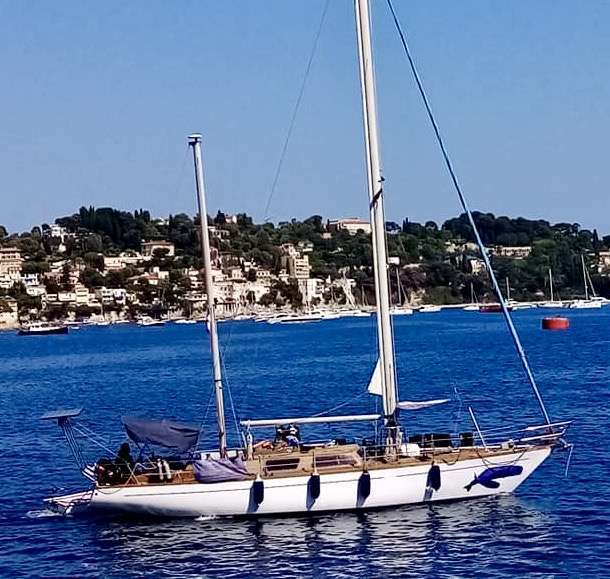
(195, 142)
(551, 283)
(375, 187)
(584, 276)
(399, 302)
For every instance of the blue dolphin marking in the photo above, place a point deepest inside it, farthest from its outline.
(488, 476)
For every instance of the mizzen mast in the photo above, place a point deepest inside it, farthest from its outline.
(195, 142)
(375, 187)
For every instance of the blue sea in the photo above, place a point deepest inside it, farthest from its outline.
(552, 527)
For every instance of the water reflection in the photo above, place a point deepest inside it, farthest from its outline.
(501, 535)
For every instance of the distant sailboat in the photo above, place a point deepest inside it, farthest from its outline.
(399, 309)
(473, 306)
(588, 303)
(552, 303)
(514, 304)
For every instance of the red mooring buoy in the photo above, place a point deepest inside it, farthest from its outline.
(555, 323)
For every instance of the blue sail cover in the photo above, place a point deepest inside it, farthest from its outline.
(181, 437)
(212, 470)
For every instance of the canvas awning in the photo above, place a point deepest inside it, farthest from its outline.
(164, 433)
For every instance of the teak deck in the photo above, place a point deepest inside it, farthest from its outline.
(284, 463)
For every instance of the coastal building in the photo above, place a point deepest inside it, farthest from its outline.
(195, 278)
(58, 232)
(603, 262)
(263, 276)
(235, 274)
(312, 289)
(122, 261)
(299, 268)
(82, 295)
(253, 291)
(9, 316)
(35, 291)
(149, 248)
(350, 224)
(513, 252)
(305, 246)
(66, 297)
(476, 265)
(10, 262)
(294, 262)
(218, 233)
(107, 296)
(453, 247)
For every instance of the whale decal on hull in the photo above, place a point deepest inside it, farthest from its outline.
(488, 477)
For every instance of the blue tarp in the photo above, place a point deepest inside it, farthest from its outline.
(181, 437)
(212, 470)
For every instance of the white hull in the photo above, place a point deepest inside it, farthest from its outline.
(585, 305)
(551, 305)
(401, 312)
(290, 495)
(429, 309)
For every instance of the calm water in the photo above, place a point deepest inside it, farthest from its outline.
(551, 527)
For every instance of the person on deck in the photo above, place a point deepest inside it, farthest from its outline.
(124, 461)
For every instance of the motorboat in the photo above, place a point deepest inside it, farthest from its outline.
(42, 329)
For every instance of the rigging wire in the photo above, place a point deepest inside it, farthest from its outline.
(466, 208)
(341, 405)
(297, 106)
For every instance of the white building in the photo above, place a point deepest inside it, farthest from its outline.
(10, 262)
(82, 295)
(218, 233)
(296, 264)
(9, 316)
(66, 297)
(149, 248)
(58, 232)
(311, 289)
(122, 261)
(476, 265)
(235, 274)
(350, 224)
(107, 296)
(514, 252)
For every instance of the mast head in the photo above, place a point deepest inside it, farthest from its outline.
(194, 138)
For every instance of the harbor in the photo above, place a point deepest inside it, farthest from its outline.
(309, 289)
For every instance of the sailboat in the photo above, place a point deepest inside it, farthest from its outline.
(400, 309)
(514, 304)
(588, 303)
(473, 306)
(289, 474)
(552, 303)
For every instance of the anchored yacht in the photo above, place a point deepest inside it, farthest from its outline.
(288, 473)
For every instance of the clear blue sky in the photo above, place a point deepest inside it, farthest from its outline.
(97, 99)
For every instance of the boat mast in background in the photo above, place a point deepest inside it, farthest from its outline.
(375, 187)
(195, 142)
(551, 284)
(584, 276)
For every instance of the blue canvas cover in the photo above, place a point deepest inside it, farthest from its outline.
(212, 470)
(181, 437)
